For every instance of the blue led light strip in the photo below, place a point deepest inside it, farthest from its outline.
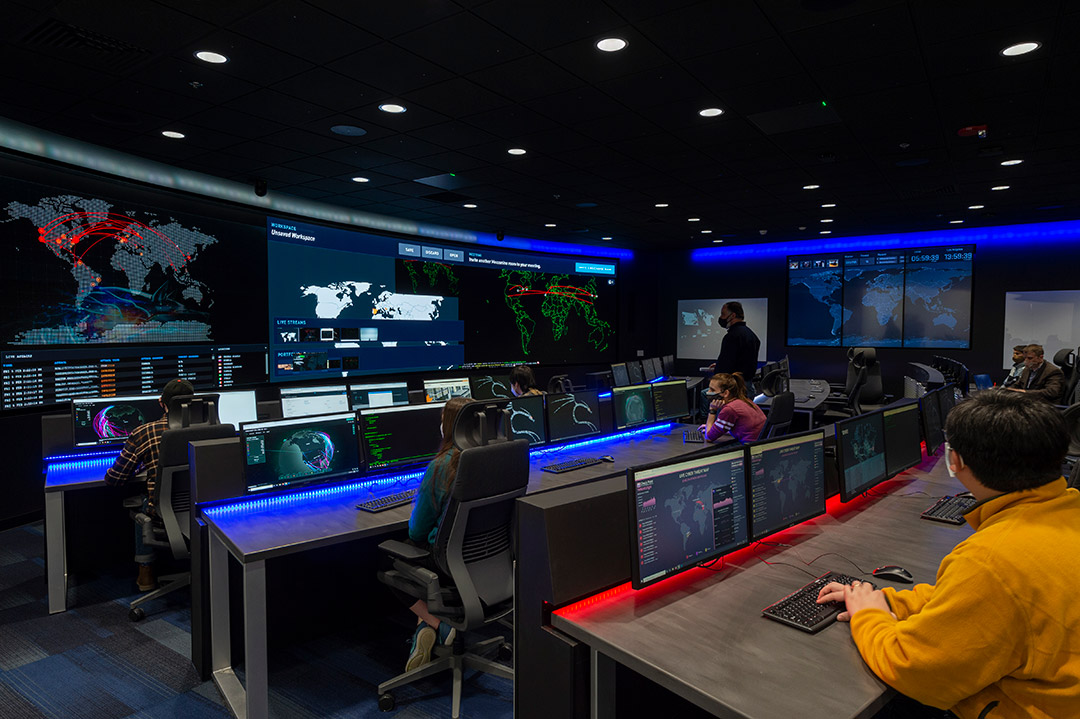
(113, 453)
(309, 495)
(607, 438)
(72, 466)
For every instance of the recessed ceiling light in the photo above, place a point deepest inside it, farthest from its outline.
(213, 57)
(1022, 48)
(469, 205)
(1008, 163)
(173, 134)
(826, 220)
(1000, 187)
(825, 232)
(348, 130)
(956, 222)
(360, 179)
(392, 108)
(802, 227)
(611, 44)
(976, 207)
(711, 112)
(717, 242)
(706, 232)
(829, 204)
(516, 151)
(605, 238)
(810, 187)
(693, 219)
(661, 204)
(550, 224)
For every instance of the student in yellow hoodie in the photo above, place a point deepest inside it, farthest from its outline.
(997, 636)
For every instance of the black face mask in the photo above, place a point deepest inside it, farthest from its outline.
(723, 322)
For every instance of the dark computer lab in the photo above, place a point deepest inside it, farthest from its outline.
(605, 359)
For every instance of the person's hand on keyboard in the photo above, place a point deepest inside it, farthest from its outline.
(855, 596)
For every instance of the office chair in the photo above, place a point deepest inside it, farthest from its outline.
(1066, 360)
(1072, 456)
(474, 551)
(190, 419)
(781, 412)
(560, 383)
(850, 407)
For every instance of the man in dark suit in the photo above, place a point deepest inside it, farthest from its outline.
(739, 349)
(1040, 378)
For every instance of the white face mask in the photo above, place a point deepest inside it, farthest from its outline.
(948, 461)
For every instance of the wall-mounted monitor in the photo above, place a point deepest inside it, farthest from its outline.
(307, 401)
(382, 394)
(440, 390)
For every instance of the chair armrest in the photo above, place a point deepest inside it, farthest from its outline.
(403, 550)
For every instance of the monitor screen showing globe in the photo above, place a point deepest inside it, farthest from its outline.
(109, 420)
(290, 452)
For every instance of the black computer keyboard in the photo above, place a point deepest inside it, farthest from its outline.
(391, 500)
(801, 610)
(693, 435)
(950, 509)
(571, 464)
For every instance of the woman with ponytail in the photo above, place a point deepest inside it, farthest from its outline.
(731, 411)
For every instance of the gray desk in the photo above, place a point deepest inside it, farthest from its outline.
(809, 394)
(253, 536)
(702, 636)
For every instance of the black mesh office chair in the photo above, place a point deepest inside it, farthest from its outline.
(781, 412)
(850, 406)
(473, 550)
(1072, 456)
(560, 383)
(190, 419)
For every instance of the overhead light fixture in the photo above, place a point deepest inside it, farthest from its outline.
(606, 238)
(611, 44)
(550, 224)
(826, 220)
(661, 204)
(469, 205)
(348, 130)
(1021, 48)
(173, 134)
(956, 222)
(825, 232)
(392, 108)
(717, 242)
(693, 219)
(1010, 163)
(976, 207)
(360, 179)
(810, 187)
(706, 232)
(516, 151)
(829, 204)
(711, 112)
(215, 58)
(1000, 187)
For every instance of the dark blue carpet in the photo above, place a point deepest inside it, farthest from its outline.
(92, 663)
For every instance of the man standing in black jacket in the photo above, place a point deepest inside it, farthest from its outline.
(739, 350)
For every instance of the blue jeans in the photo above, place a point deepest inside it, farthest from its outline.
(144, 554)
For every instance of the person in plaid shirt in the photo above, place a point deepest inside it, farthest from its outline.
(140, 454)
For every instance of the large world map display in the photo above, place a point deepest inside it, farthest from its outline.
(889, 298)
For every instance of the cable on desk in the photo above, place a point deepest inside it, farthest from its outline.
(709, 565)
(823, 554)
(786, 564)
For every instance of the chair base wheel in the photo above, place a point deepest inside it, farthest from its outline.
(386, 702)
(137, 614)
(506, 651)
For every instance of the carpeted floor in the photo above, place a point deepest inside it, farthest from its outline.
(91, 662)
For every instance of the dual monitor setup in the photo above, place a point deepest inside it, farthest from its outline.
(685, 512)
(649, 369)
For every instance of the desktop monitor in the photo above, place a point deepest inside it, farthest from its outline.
(946, 401)
(670, 400)
(633, 405)
(649, 369)
(440, 390)
(385, 394)
(109, 420)
(620, 376)
(684, 513)
(301, 450)
(933, 430)
(667, 363)
(636, 373)
(903, 444)
(572, 414)
(787, 482)
(307, 401)
(236, 407)
(860, 453)
(398, 436)
(487, 386)
(527, 419)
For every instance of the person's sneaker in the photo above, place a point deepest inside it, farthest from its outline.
(446, 634)
(145, 580)
(423, 640)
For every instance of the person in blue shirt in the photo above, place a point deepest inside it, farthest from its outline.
(424, 525)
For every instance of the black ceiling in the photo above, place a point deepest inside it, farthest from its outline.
(864, 98)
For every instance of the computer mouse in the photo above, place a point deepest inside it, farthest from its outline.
(607, 458)
(810, 396)
(894, 573)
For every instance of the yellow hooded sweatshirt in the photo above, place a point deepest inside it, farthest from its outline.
(997, 636)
